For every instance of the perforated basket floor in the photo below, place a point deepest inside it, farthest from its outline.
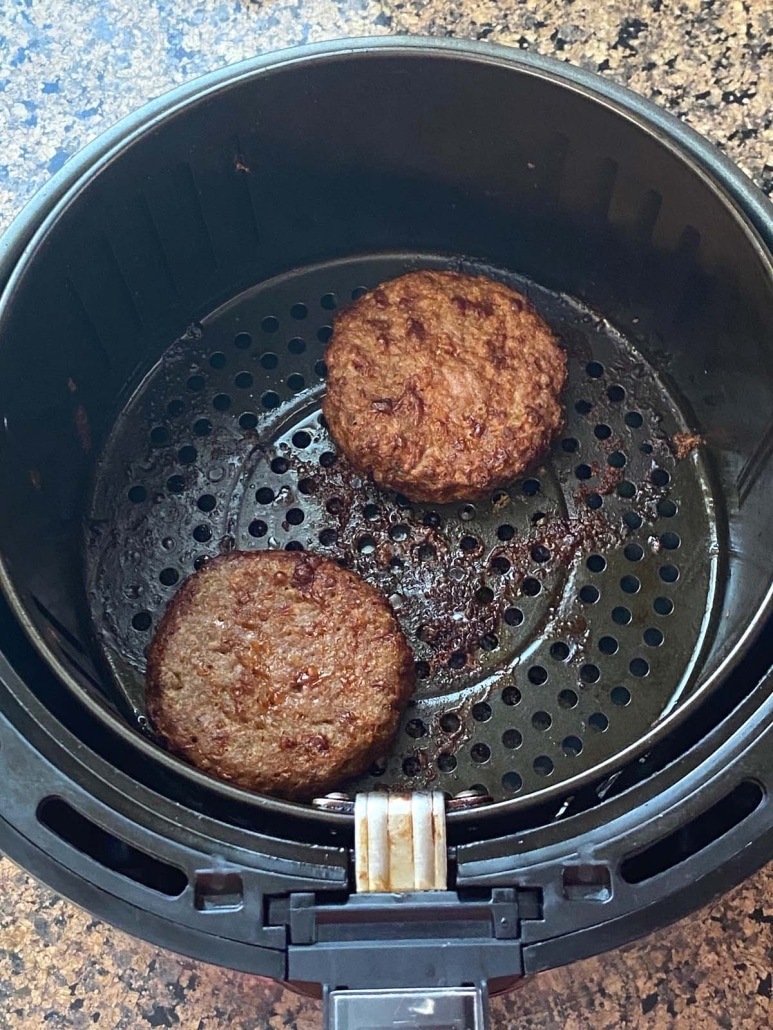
(552, 625)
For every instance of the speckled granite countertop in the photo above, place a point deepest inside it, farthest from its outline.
(69, 69)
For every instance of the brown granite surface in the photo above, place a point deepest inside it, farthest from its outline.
(60, 968)
(708, 61)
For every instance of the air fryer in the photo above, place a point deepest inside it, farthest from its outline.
(592, 674)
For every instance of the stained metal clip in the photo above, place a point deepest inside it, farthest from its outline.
(400, 842)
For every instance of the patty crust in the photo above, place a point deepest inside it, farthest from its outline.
(278, 671)
(443, 386)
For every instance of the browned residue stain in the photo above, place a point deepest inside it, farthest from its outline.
(71, 384)
(35, 479)
(684, 444)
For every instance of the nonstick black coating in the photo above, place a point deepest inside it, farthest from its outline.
(552, 624)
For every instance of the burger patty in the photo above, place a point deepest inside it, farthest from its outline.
(278, 671)
(443, 386)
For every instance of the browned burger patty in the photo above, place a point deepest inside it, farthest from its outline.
(279, 671)
(443, 386)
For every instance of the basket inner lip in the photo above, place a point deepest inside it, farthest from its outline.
(620, 102)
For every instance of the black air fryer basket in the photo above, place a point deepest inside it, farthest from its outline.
(592, 671)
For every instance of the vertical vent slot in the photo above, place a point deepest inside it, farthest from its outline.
(647, 216)
(605, 188)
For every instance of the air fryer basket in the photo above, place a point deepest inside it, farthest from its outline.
(161, 369)
(552, 624)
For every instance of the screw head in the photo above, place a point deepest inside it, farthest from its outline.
(465, 799)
